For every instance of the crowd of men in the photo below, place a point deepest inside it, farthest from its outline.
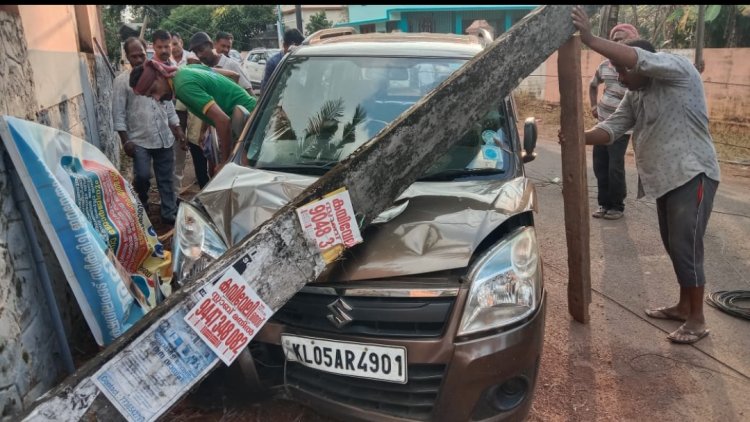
(172, 104)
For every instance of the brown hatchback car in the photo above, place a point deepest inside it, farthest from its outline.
(439, 314)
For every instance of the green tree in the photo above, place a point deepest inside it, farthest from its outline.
(156, 14)
(243, 22)
(317, 22)
(673, 26)
(112, 20)
(187, 20)
(728, 26)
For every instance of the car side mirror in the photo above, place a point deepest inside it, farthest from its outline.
(261, 61)
(529, 140)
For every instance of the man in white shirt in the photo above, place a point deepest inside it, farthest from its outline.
(179, 54)
(203, 47)
(147, 130)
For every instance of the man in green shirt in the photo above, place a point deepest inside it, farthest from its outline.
(207, 94)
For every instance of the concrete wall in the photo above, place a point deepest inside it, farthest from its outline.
(44, 77)
(726, 80)
(27, 343)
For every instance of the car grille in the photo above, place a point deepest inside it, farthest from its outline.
(413, 400)
(384, 317)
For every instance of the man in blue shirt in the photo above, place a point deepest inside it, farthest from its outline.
(292, 38)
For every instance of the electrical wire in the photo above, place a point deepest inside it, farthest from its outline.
(726, 301)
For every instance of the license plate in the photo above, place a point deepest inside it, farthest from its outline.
(362, 360)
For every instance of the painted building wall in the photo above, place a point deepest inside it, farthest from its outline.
(434, 18)
(361, 13)
(52, 42)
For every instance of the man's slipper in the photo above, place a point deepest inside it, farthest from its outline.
(692, 336)
(659, 313)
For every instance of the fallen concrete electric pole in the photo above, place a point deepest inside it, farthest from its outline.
(278, 252)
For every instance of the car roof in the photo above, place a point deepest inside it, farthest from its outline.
(395, 44)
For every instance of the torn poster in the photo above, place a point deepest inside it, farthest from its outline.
(152, 373)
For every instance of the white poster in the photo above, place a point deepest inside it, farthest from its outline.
(229, 316)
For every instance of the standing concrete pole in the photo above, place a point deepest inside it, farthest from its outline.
(298, 16)
(699, 35)
(575, 188)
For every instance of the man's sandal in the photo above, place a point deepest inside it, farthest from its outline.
(659, 313)
(692, 336)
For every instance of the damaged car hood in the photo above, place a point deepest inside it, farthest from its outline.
(432, 226)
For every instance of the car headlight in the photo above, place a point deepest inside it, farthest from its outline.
(506, 284)
(196, 244)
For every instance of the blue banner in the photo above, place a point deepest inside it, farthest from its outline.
(98, 229)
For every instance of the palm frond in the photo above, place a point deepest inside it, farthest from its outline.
(348, 137)
(320, 129)
(327, 118)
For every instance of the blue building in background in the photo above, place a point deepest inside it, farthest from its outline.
(436, 18)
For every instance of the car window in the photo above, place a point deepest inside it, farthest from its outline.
(321, 109)
(254, 58)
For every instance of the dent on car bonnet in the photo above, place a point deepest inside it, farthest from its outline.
(439, 229)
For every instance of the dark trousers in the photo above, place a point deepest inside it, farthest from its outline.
(183, 116)
(683, 216)
(609, 169)
(163, 164)
(200, 163)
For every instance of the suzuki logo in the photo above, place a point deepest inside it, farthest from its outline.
(339, 315)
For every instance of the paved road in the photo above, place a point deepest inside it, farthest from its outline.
(620, 367)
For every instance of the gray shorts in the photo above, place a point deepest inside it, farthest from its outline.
(683, 216)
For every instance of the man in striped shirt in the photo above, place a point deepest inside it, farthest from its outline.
(609, 160)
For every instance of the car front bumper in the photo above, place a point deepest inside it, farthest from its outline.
(489, 378)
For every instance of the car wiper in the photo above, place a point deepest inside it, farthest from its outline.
(457, 173)
(315, 170)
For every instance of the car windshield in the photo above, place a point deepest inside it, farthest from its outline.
(321, 109)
